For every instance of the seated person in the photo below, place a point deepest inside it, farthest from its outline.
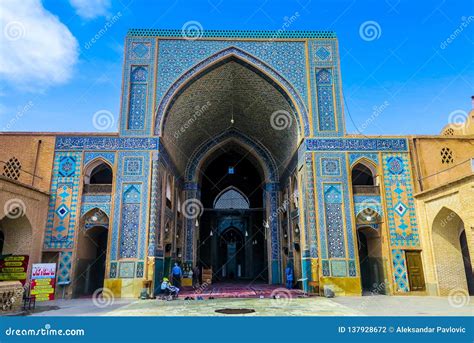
(168, 288)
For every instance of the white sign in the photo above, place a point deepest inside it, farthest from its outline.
(43, 271)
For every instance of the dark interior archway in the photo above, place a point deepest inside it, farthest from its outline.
(467, 262)
(231, 238)
(101, 175)
(362, 175)
(91, 253)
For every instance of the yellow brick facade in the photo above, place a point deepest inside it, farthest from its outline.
(27, 189)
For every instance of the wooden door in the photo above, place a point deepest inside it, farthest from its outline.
(415, 270)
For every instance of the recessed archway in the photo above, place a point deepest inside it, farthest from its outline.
(452, 255)
(91, 253)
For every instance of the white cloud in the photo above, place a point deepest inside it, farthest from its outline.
(36, 49)
(90, 9)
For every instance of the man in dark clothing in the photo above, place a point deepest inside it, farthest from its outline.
(177, 274)
(196, 276)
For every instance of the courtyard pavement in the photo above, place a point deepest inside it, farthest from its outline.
(314, 306)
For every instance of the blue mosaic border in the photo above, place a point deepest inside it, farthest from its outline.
(356, 144)
(106, 143)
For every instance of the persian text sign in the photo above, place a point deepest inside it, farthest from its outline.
(14, 268)
(43, 280)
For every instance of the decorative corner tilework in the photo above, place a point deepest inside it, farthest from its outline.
(352, 268)
(140, 269)
(338, 268)
(127, 270)
(325, 267)
(107, 156)
(113, 270)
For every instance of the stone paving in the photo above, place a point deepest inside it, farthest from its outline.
(314, 306)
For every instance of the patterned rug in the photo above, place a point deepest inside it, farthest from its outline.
(239, 290)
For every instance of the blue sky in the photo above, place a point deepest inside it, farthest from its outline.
(406, 79)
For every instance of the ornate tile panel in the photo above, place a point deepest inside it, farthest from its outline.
(64, 267)
(107, 156)
(335, 207)
(324, 90)
(355, 157)
(334, 221)
(287, 58)
(338, 268)
(106, 143)
(362, 202)
(356, 144)
(131, 207)
(401, 213)
(400, 270)
(62, 213)
(127, 270)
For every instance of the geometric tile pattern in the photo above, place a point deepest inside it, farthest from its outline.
(310, 208)
(140, 269)
(137, 95)
(355, 157)
(334, 220)
(265, 70)
(330, 167)
(334, 202)
(107, 156)
(327, 120)
(323, 53)
(352, 268)
(400, 270)
(133, 166)
(129, 229)
(64, 268)
(130, 221)
(363, 202)
(327, 96)
(285, 58)
(63, 201)
(113, 270)
(402, 222)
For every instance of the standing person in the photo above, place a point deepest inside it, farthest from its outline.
(289, 276)
(177, 274)
(196, 276)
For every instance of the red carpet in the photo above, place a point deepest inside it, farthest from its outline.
(239, 290)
